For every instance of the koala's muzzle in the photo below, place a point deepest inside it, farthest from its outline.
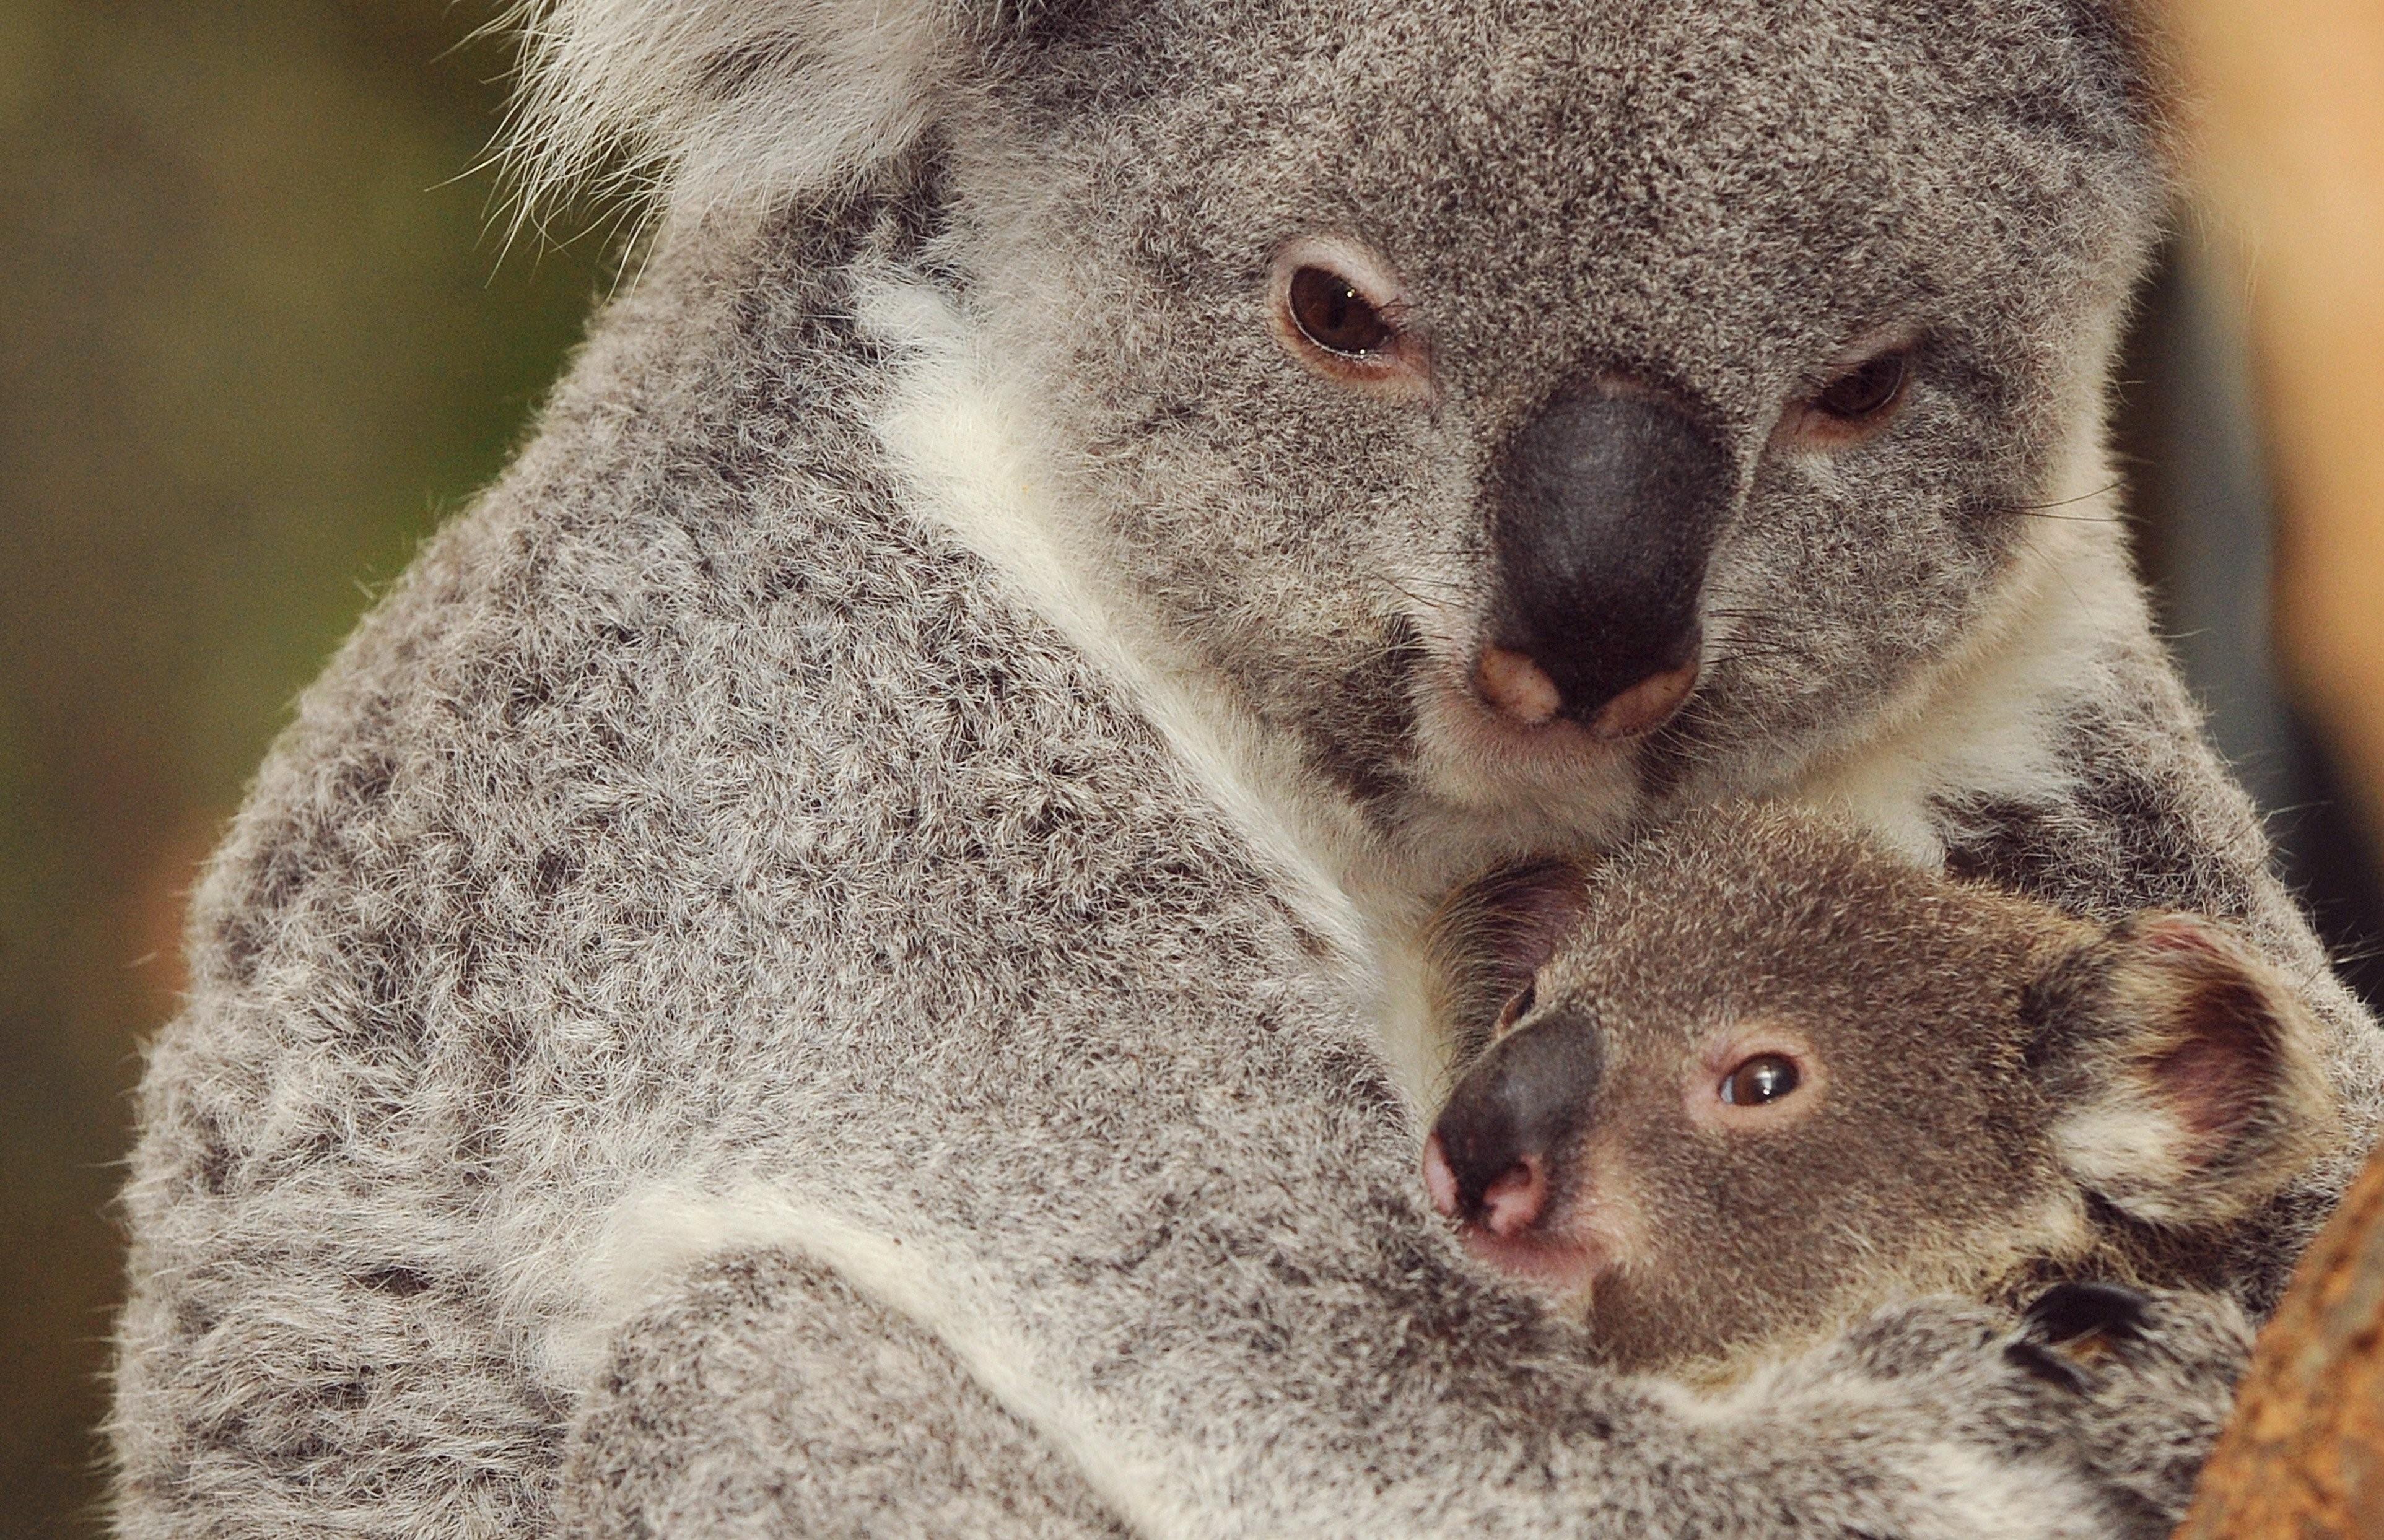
(1607, 506)
(1498, 1146)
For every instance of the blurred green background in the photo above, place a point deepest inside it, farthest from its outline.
(257, 342)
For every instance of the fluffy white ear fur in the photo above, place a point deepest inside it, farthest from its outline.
(2206, 1094)
(708, 101)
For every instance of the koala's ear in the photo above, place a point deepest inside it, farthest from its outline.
(1489, 938)
(706, 100)
(2120, 84)
(2185, 1072)
(2130, 40)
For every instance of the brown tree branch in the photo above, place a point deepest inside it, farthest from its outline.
(2304, 1459)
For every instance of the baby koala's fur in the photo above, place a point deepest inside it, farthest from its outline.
(1989, 1095)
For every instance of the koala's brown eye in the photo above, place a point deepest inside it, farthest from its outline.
(1336, 307)
(1865, 394)
(1331, 313)
(1519, 1005)
(1764, 1078)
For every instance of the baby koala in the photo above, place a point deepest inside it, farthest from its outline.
(1769, 1078)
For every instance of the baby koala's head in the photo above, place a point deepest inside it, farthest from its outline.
(1773, 1077)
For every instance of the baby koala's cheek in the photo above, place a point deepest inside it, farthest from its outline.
(1602, 1216)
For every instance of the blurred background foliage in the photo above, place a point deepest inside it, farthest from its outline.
(259, 339)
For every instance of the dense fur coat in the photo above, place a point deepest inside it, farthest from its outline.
(930, 771)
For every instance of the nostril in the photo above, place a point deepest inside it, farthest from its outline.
(1521, 690)
(1507, 1204)
(1517, 687)
(1513, 1202)
(1645, 705)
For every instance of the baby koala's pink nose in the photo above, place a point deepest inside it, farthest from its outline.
(1498, 1150)
(1506, 1205)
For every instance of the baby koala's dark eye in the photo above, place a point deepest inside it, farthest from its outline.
(1764, 1078)
(1331, 313)
(1865, 391)
(1519, 1005)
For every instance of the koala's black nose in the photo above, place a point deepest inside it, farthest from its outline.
(1607, 508)
(1498, 1149)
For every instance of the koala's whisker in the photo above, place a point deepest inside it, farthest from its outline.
(1451, 584)
(1420, 599)
(1749, 646)
(2105, 490)
(1752, 640)
(2048, 510)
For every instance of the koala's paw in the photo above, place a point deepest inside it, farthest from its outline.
(1930, 1429)
(2083, 1318)
(2153, 1376)
(2089, 1415)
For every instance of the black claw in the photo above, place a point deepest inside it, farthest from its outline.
(2067, 1312)
(2042, 1362)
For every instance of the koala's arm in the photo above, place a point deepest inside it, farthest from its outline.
(768, 1395)
(765, 1398)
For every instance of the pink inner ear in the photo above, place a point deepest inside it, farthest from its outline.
(2221, 1028)
(2224, 1031)
(2178, 934)
(1528, 911)
(1539, 906)
(2211, 1083)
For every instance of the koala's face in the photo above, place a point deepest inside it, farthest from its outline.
(1743, 1170)
(1567, 406)
(1776, 1080)
(1737, 1141)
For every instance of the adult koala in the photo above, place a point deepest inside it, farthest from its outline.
(938, 755)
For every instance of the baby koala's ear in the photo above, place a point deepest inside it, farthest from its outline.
(1489, 940)
(2183, 1070)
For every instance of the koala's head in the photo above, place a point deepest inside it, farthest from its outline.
(1776, 1078)
(1550, 406)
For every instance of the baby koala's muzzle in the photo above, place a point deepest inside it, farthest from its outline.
(1499, 1152)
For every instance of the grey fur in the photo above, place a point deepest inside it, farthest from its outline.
(722, 804)
(768, 1399)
